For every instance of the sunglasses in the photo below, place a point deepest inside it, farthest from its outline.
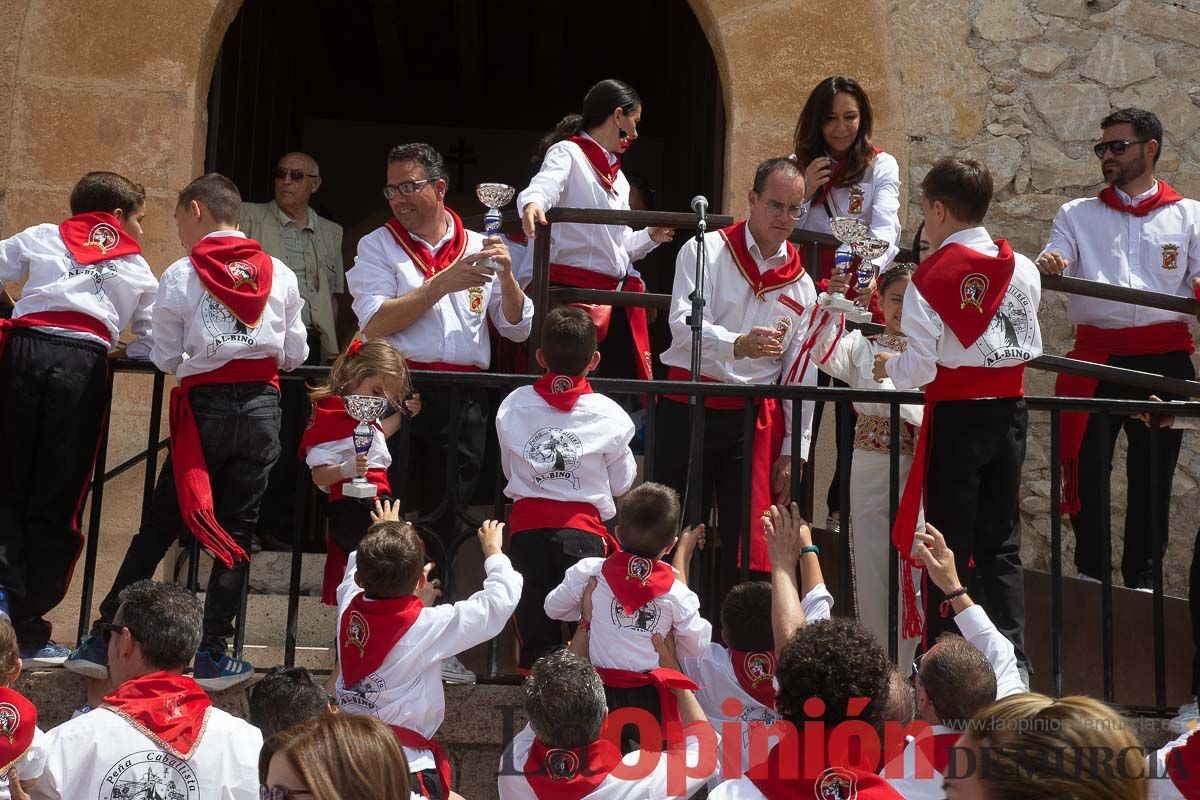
(404, 189)
(107, 629)
(297, 175)
(1118, 147)
(281, 793)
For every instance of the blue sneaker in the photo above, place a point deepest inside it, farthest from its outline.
(48, 655)
(221, 673)
(91, 658)
(4, 612)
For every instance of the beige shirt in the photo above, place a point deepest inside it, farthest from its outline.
(313, 252)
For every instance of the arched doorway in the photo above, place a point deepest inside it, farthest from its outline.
(346, 81)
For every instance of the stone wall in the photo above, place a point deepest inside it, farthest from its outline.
(1022, 85)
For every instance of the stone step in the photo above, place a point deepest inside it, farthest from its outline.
(266, 622)
(270, 571)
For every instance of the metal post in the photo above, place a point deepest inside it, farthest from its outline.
(1156, 523)
(748, 511)
(541, 291)
(893, 640)
(93, 534)
(1106, 602)
(1056, 585)
(845, 441)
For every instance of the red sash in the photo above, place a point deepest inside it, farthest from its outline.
(1183, 766)
(170, 709)
(95, 237)
(663, 681)
(636, 580)
(192, 483)
(769, 429)
(368, 631)
(777, 779)
(755, 671)
(597, 156)
(18, 725)
(965, 287)
(561, 391)
(963, 383)
(760, 282)
(329, 422)
(235, 271)
(428, 263)
(69, 320)
(560, 774)
(1164, 195)
(638, 327)
(532, 513)
(415, 741)
(1097, 345)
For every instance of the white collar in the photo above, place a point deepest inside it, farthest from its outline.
(225, 233)
(1133, 201)
(752, 246)
(433, 248)
(969, 236)
(612, 159)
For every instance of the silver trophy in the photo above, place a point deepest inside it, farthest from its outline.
(495, 196)
(366, 409)
(867, 251)
(854, 235)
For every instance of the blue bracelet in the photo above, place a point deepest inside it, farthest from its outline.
(811, 548)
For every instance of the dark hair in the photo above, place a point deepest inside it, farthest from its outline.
(746, 617)
(283, 697)
(963, 185)
(218, 194)
(836, 660)
(106, 191)
(769, 167)
(10, 651)
(568, 340)
(808, 142)
(959, 680)
(391, 558)
(638, 180)
(1146, 125)
(598, 103)
(894, 273)
(564, 699)
(916, 242)
(902, 700)
(648, 518)
(165, 619)
(429, 159)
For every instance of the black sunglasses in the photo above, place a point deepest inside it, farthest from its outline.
(280, 793)
(297, 175)
(107, 629)
(1118, 147)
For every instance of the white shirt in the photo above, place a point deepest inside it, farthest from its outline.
(568, 179)
(1159, 252)
(1160, 783)
(193, 333)
(875, 199)
(30, 766)
(512, 785)
(713, 672)
(117, 292)
(449, 332)
(1013, 338)
(406, 691)
(980, 631)
(337, 451)
(100, 755)
(618, 640)
(732, 309)
(853, 361)
(580, 456)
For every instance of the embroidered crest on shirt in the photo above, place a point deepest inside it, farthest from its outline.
(223, 327)
(1170, 256)
(644, 619)
(854, 205)
(103, 237)
(10, 720)
(972, 290)
(562, 765)
(475, 299)
(150, 774)
(836, 784)
(1011, 332)
(243, 273)
(561, 384)
(357, 632)
(759, 667)
(554, 455)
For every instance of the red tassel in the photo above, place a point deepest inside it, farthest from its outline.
(1071, 503)
(204, 526)
(911, 623)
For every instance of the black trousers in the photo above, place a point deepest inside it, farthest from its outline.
(971, 496)
(239, 433)
(643, 697)
(543, 556)
(53, 398)
(428, 783)
(349, 519)
(833, 496)
(1095, 469)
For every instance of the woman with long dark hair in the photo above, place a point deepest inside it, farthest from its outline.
(581, 168)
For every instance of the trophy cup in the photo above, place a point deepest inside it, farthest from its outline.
(495, 196)
(851, 232)
(366, 409)
(867, 251)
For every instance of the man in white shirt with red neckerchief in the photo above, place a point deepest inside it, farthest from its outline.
(1139, 233)
(430, 287)
(758, 304)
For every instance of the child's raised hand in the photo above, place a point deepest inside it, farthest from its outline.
(491, 537)
(428, 590)
(931, 550)
(691, 539)
(386, 510)
(787, 532)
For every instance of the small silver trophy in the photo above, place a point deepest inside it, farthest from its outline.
(852, 233)
(495, 196)
(366, 409)
(867, 251)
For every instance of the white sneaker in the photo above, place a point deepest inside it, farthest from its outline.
(1186, 720)
(1087, 578)
(453, 671)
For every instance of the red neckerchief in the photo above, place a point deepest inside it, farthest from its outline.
(170, 709)
(754, 671)
(558, 774)
(18, 724)
(329, 422)
(965, 287)
(1163, 196)
(428, 263)
(597, 156)
(370, 629)
(835, 179)
(942, 744)
(562, 391)
(785, 274)
(778, 780)
(1183, 766)
(636, 580)
(235, 271)
(96, 237)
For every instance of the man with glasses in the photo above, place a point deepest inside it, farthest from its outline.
(157, 734)
(758, 300)
(430, 288)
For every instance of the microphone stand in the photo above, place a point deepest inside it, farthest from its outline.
(694, 499)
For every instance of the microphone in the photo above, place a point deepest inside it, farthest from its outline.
(700, 205)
